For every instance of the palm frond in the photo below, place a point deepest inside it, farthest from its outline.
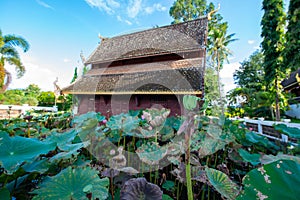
(20, 69)
(12, 40)
(8, 51)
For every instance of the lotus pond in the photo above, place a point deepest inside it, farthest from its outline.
(143, 155)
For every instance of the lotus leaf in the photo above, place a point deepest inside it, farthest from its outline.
(261, 140)
(222, 183)
(248, 157)
(169, 185)
(69, 151)
(166, 133)
(266, 159)
(277, 180)
(166, 197)
(290, 131)
(151, 153)
(139, 188)
(123, 123)
(4, 194)
(61, 138)
(72, 184)
(81, 118)
(37, 165)
(156, 117)
(16, 150)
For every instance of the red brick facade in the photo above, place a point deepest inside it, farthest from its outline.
(110, 105)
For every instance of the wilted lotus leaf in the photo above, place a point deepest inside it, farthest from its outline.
(180, 173)
(129, 170)
(118, 161)
(151, 153)
(156, 117)
(109, 172)
(175, 148)
(277, 180)
(123, 123)
(73, 184)
(139, 188)
(222, 183)
(248, 157)
(267, 159)
(145, 133)
(16, 150)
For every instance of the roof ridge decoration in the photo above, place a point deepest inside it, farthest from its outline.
(174, 38)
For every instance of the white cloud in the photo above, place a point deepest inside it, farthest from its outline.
(107, 6)
(66, 60)
(251, 41)
(119, 18)
(40, 2)
(133, 8)
(155, 7)
(226, 75)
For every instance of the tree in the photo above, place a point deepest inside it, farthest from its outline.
(9, 54)
(272, 23)
(251, 72)
(32, 90)
(292, 47)
(46, 99)
(218, 42)
(185, 10)
(75, 76)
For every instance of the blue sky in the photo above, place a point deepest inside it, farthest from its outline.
(58, 30)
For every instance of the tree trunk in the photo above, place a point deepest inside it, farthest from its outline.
(219, 83)
(277, 108)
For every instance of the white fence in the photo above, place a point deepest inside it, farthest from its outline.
(7, 111)
(265, 128)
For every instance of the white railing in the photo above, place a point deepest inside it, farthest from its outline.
(261, 122)
(8, 111)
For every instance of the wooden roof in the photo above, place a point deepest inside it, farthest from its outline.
(168, 77)
(175, 38)
(291, 82)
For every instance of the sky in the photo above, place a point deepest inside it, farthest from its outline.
(59, 30)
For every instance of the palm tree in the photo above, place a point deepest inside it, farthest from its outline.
(218, 41)
(9, 54)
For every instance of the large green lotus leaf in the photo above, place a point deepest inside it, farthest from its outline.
(81, 118)
(290, 131)
(4, 194)
(156, 117)
(151, 153)
(248, 157)
(166, 133)
(16, 150)
(69, 151)
(261, 140)
(144, 133)
(62, 138)
(209, 146)
(37, 165)
(123, 122)
(266, 159)
(222, 183)
(73, 184)
(277, 180)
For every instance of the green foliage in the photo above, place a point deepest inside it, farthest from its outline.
(277, 180)
(9, 54)
(16, 150)
(46, 99)
(222, 183)
(254, 159)
(186, 10)
(74, 184)
(21, 96)
(190, 102)
(292, 45)
(75, 76)
(290, 131)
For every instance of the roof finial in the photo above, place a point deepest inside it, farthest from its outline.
(213, 12)
(101, 37)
